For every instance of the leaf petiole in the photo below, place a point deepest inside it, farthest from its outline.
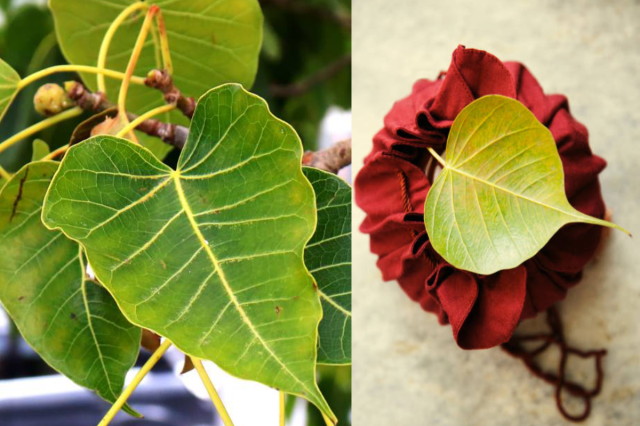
(437, 157)
(76, 68)
(283, 413)
(126, 393)
(4, 174)
(54, 154)
(215, 398)
(164, 43)
(135, 123)
(106, 41)
(133, 61)
(31, 130)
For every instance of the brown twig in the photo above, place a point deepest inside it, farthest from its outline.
(162, 81)
(88, 101)
(172, 134)
(299, 6)
(303, 86)
(331, 159)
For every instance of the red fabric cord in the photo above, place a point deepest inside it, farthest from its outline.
(556, 337)
(398, 172)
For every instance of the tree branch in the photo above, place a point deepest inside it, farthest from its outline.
(331, 159)
(172, 134)
(303, 86)
(162, 81)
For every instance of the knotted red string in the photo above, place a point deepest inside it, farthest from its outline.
(556, 337)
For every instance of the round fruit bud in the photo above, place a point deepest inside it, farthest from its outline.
(51, 99)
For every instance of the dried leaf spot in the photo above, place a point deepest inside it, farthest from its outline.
(19, 196)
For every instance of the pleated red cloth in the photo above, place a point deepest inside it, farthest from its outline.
(392, 187)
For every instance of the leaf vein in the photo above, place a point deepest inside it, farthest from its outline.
(227, 287)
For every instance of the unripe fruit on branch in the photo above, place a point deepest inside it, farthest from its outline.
(51, 99)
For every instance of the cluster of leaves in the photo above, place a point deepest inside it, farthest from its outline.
(297, 44)
(236, 255)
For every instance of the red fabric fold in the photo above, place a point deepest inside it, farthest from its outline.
(483, 311)
(392, 187)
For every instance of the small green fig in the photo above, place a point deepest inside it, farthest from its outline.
(51, 99)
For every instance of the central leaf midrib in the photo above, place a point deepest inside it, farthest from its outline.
(453, 169)
(190, 216)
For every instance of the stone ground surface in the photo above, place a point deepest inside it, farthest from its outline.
(407, 368)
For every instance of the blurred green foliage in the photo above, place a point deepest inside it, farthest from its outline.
(28, 44)
(302, 38)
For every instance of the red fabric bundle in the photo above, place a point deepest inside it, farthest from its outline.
(392, 187)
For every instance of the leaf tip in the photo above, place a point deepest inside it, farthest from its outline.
(606, 222)
(621, 229)
(127, 409)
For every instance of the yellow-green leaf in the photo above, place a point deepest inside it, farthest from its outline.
(72, 323)
(209, 255)
(9, 82)
(40, 149)
(500, 196)
(328, 257)
(211, 42)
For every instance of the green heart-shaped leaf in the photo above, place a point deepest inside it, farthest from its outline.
(212, 42)
(9, 83)
(40, 149)
(500, 196)
(210, 255)
(72, 323)
(328, 257)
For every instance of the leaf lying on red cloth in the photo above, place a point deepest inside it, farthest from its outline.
(392, 187)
